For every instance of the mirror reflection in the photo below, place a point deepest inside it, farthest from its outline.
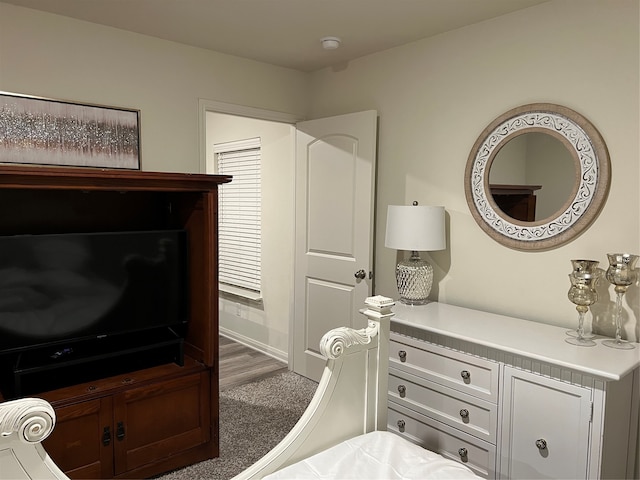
(533, 177)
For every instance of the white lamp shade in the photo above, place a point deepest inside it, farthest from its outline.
(415, 227)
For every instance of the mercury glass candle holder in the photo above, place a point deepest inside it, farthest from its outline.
(582, 294)
(621, 273)
(581, 267)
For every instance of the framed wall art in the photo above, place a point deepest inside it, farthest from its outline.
(43, 131)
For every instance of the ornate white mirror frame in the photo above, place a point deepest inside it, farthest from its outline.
(592, 176)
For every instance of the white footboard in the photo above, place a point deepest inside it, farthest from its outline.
(351, 398)
(24, 423)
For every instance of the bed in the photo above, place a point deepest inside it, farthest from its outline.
(341, 435)
(377, 455)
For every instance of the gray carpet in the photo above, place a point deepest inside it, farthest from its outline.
(253, 419)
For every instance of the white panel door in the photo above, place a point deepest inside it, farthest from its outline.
(545, 427)
(335, 174)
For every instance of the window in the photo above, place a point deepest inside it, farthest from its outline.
(239, 218)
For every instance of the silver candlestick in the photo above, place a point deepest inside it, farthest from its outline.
(621, 273)
(581, 267)
(583, 294)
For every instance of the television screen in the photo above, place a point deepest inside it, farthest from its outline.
(67, 287)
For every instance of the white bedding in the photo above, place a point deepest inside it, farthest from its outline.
(375, 456)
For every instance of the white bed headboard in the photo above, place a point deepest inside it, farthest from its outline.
(351, 398)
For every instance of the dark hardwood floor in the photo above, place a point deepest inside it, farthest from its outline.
(240, 364)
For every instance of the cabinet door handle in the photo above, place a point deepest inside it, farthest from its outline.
(401, 425)
(120, 431)
(403, 355)
(464, 413)
(402, 390)
(465, 374)
(106, 436)
(541, 444)
(462, 452)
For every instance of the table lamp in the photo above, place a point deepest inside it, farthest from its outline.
(415, 228)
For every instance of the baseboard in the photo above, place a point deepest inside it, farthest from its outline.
(251, 343)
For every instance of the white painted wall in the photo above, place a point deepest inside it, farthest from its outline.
(510, 163)
(434, 98)
(264, 324)
(57, 57)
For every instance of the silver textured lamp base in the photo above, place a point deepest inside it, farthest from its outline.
(414, 279)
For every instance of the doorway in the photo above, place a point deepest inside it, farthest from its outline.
(307, 157)
(262, 323)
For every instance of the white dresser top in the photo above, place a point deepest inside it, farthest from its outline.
(529, 339)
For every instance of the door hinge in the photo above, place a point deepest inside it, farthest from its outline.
(591, 416)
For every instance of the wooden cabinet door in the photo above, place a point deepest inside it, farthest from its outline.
(159, 420)
(545, 431)
(81, 443)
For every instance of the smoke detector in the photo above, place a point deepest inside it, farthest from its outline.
(330, 43)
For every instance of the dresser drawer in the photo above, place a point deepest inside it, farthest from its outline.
(476, 454)
(472, 375)
(470, 414)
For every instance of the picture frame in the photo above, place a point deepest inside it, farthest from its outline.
(43, 131)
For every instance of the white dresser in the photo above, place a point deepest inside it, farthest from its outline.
(510, 398)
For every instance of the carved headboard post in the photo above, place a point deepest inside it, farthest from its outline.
(378, 313)
(371, 345)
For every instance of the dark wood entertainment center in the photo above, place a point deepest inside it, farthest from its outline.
(516, 201)
(153, 418)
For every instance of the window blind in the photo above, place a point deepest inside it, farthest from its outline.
(239, 218)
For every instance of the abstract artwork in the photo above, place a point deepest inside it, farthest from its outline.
(41, 131)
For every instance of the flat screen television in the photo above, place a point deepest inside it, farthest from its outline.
(60, 289)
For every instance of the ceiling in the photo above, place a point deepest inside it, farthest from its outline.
(284, 32)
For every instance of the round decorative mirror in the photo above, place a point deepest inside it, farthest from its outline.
(537, 176)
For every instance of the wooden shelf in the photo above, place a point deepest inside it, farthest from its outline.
(119, 383)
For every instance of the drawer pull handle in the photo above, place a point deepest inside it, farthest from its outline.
(464, 413)
(401, 425)
(402, 390)
(462, 452)
(541, 444)
(403, 355)
(465, 374)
